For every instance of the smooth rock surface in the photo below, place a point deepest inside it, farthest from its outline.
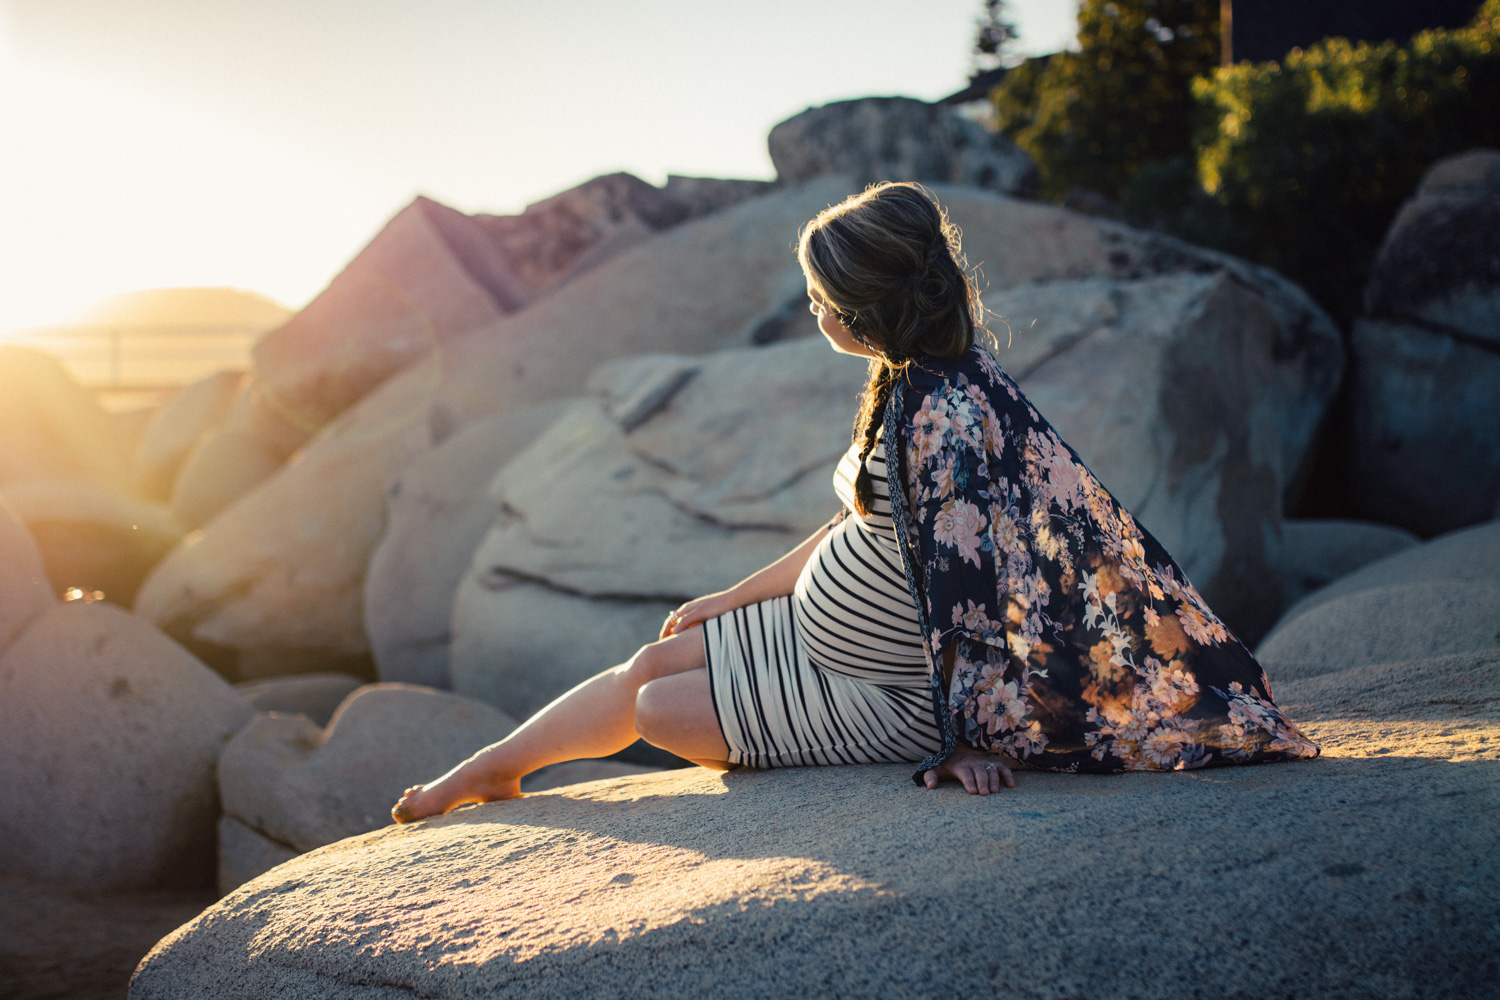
(91, 537)
(245, 854)
(1440, 262)
(1471, 555)
(117, 730)
(1437, 599)
(708, 468)
(65, 943)
(1314, 553)
(1384, 624)
(25, 591)
(1372, 871)
(316, 696)
(519, 645)
(254, 440)
(1424, 449)
(130, 425)
(220, 469)
(1424, 431)
(700, 196)
(898, 139)
(51, 427)
(578, 772)
(303, 786)
(437, 511)
(280, 573)
(192, 412)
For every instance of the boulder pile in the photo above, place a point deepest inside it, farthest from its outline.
(491, 455)
(1424, 448)
(1370, 871)
(109, 737)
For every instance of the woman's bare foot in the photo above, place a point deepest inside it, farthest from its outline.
(475, 780)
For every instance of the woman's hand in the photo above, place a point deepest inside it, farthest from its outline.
(980, 773)
(696, 611)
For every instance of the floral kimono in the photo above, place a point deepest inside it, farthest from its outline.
(1077, 643)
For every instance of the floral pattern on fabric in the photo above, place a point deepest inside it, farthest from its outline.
(1077, 643)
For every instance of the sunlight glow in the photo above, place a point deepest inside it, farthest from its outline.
(259, 144)
(104, 191)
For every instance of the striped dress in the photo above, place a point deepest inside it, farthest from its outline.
(835, 672)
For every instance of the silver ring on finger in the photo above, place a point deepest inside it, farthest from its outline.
(989, 767)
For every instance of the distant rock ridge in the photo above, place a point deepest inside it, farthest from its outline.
(433, 273)
(519, 258)
(899, 139)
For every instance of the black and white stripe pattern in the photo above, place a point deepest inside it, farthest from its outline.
(834, 673)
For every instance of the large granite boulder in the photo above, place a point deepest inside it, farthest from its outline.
(276, 578)
(1424, 451)
(245, 854)
(1372, 871)
(1314, 553)
(300, 785)
(1434, 600)
(681, 477)
(1383, 624)
(254, 440)
(690, 473)
(59, 941)
(898, 139)
(316, 696)
(1439, 263)
(109, 734)
(91, 537)
(191, 413)
(709, 284)
(25, 591)
(51, 427)
(433, 273)
(437, 512)
(391, 305)
(1192, 402)
(1472, 554)
(1425, 369)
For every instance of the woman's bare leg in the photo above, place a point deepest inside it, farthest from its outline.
(594, 719)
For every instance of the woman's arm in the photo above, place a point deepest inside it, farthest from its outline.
(776, 580)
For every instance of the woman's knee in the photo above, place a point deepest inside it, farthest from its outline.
(676, 713)
(646, 665)
(652, 713)
(664, 658)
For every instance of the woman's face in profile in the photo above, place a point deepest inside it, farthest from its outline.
(838, 335)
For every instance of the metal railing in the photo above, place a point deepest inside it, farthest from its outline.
(141, 358)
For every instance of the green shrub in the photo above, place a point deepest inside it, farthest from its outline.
(1095, 117)
(1302, 164)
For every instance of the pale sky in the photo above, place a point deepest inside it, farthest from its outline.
(260, 143)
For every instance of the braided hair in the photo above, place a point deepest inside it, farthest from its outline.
(890, 264)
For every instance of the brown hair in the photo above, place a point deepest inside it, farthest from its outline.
(890, 264)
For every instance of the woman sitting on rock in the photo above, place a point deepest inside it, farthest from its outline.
(981, 600)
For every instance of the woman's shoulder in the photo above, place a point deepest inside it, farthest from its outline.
(977, 366)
